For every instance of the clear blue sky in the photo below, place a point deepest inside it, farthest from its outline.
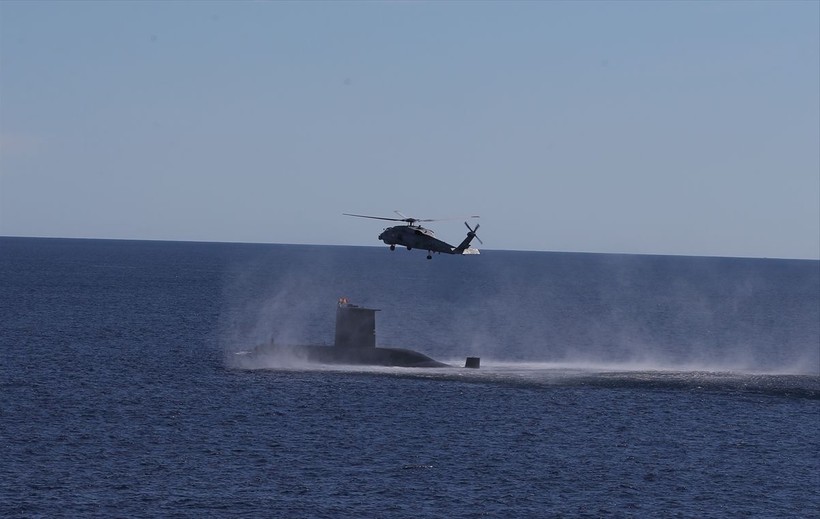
(648, 127)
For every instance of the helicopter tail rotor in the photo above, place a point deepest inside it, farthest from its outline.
(464, 246)
(473, 232)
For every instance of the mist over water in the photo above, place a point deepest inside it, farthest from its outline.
(625, 312)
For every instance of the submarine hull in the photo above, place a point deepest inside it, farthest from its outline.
(392, 357)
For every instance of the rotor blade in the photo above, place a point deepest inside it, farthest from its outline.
(444, 219)
(376, 217)
(410, 219)
(460, 217)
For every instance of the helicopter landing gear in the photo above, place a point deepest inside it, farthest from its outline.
(429, 255)
(393, 247)
(409, 248)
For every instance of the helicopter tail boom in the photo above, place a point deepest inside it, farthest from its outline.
(464, 246)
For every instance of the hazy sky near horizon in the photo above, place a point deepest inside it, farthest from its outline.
(634, 127)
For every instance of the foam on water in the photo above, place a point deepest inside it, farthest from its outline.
(563, 375)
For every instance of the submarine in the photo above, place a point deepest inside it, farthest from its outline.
(355, 344)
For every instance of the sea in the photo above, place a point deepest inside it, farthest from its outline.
(610, 385)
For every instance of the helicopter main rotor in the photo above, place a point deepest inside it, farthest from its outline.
(406, 219)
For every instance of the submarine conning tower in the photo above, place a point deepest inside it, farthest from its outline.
(355, 326)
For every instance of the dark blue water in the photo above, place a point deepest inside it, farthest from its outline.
(610, 385)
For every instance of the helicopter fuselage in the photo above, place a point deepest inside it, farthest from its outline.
(415, 237)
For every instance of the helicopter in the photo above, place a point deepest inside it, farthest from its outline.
(414, 236)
